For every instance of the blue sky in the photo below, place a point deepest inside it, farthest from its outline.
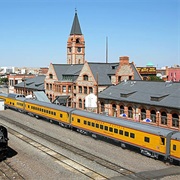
(34, 33)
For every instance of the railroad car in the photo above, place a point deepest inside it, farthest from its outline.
(150, 140)
(49, 111)
(3, 142)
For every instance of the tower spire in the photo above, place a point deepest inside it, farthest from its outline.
(76, 29)
(76, 43)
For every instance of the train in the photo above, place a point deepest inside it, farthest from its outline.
(152, 141)
(3, 142)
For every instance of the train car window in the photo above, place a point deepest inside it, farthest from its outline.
(162, 140)
(54, 113)
(132, 135)
(61, 115)
(146, 139)
(121, 132)
(115, 130)
(85, 122)
(101, 126)
(89, 123)
(111, 129)
(13, 103)
(174, 147)
(97, 125)
(106, 128)
(126, 133)
(78, 120)
(93, 124)
(28, 106)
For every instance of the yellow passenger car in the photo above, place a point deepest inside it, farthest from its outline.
(151, 140)
(49, 111)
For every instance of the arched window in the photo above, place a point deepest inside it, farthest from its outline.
(114, 113)
(80, 103)
(130, 112)
(102, 107)
(85, 77)
(143, 114)
(77, 40)
(50, 76)
(153, 116)
(175, 120)
(121, 109)
(164, 118)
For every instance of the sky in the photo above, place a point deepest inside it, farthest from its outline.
(34, 33)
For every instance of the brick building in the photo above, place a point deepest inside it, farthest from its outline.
(159, 102)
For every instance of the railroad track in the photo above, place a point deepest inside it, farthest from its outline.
(65, 160)
(7, 172)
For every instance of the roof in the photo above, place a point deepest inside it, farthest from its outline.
(106, 69)
(76, 29)
(67, 69)
(33, 83)
(165, 94)
(125, 123)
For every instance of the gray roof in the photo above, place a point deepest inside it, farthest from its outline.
(106, 69)
(165, 94)
(67, 69)
(33, 83)
(76, 29)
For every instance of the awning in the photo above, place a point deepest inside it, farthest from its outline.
(61, 100)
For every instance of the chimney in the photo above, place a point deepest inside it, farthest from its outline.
(124, 60)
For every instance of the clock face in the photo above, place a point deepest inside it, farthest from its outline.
(79, 49)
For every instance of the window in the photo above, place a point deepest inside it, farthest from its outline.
(121, 109)
(64, 88)
(106, 128)
(174, 147)
(85, 90)
(121, 132)
(61, 115)
(162, 140)
(85, 122)
(101, 126)
(89, 123)
(78, 120)
(164, 118)
(93, 124)
(153, 116)
(143, 114)
(130, 112)
(175, 120)
(97, 125)
(50, 76)
(80, 89)
(126, 133)
(132, 135)
(80, 103)
(85, 78)
(115, 130)
(111, 129)
(90, 90)
(146, 139)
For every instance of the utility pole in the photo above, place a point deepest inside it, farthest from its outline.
(106, 49)
(97, 93)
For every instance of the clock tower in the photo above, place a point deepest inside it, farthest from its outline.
(76, 44)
